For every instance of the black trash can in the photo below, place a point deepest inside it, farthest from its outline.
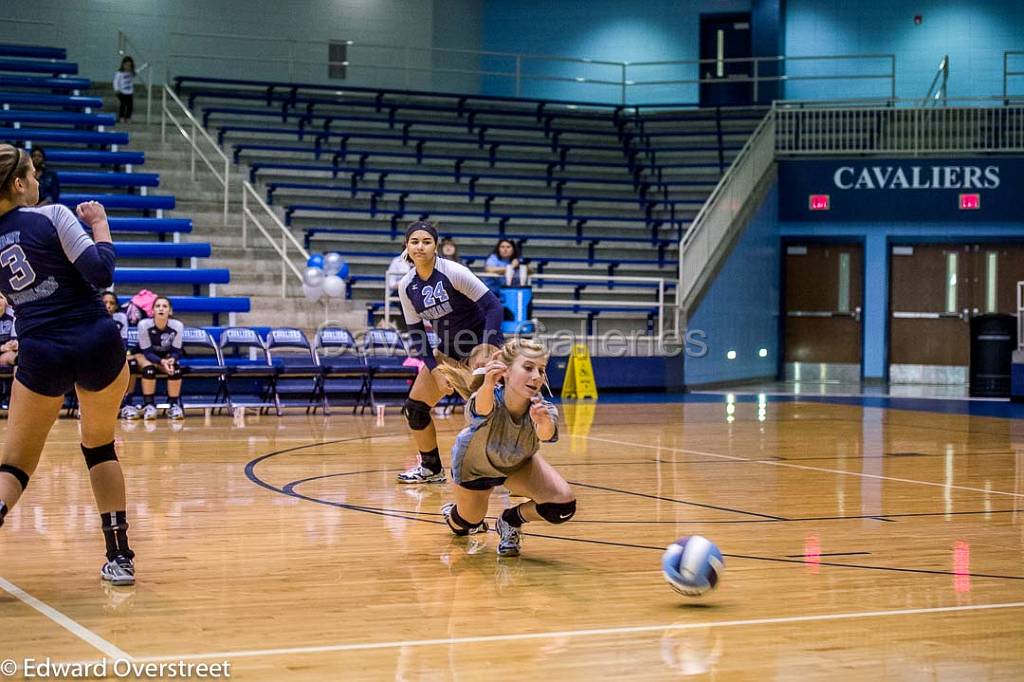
(993, 340)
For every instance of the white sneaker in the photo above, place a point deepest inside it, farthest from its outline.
(174, 412)
(149, 412)
(119, 572)
(511, 538)
(446, 512)
(421, 474)
(129, 412)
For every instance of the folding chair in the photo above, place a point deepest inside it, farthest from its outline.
(387, 358)
(344, 369)
(298, 368)
(202, 363)
(244, 352)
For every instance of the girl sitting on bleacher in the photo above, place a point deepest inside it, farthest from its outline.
(160, 342)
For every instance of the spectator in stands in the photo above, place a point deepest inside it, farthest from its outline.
(8, 339)
(49, 184)
(128, 410)
(396, 271)
(160, 340)
(124, 86)
(506, 255)
(450, 250)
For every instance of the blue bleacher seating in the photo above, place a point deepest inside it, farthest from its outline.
(38, 66)
(49, 135)
(156, 225)
(108, 179)
(195, 276)
(42, 83)
(32, 51)
(47, 100)
(129, 201)
(56, 117)
(93, 156)
(162, 250)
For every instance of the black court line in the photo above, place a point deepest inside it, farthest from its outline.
(684, 502)
(289, 490)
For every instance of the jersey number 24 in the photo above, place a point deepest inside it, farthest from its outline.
(435, 294)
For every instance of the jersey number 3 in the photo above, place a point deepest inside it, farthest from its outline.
(437, 294)
(14, 258)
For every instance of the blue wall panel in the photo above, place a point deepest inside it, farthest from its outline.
(974, 33)
(740, 310)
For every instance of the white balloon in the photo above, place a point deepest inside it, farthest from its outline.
(312, 293)
(334, 286)
(332, 263)
(314, 277)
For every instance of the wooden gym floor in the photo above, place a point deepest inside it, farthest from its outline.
(860, 542)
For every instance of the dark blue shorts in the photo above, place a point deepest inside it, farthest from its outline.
(89, 354)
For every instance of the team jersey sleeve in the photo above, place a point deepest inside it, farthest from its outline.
(463, 280)
(179, 338)
(408, 311)
(73, 238)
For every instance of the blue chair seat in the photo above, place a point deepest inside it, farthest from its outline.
(205, 304)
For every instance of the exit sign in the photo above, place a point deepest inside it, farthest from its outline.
(819, 202)
(970, 202)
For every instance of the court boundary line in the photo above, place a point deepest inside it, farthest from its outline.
(65, 621)
(804, 467)
(596, 632)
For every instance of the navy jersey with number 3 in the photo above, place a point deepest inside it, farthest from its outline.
(38, 250)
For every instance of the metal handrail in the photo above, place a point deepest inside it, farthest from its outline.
(124, 46)
(612, 73)
(1020, 316)
(661, 304)
(285, 234)
(941, 78)
(1007, 74)
(723, 207)
(191, 138)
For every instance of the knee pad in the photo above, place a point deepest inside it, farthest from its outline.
(176, 374)
(16, 472)
(556, 512)
(149, 372)
(99, 455)
(417, 413)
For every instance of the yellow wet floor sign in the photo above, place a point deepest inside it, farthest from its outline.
(579, 375)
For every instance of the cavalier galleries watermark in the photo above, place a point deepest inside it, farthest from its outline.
(121, 668)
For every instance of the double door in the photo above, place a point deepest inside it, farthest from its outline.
(935, 290)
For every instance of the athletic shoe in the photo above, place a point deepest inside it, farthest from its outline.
(119, 572)
(175, 412)
(129, 412)
(149, 412)
(421, 474)
(446, 512)
(511, 539)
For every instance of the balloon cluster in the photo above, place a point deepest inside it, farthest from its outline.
(325, 275)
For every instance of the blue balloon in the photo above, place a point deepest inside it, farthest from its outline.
(315, 261)
(343, 273)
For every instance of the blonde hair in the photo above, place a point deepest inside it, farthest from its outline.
(465, 382)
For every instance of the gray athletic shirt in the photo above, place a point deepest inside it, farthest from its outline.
(496, 445)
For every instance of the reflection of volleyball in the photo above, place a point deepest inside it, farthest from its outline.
(692, 565)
